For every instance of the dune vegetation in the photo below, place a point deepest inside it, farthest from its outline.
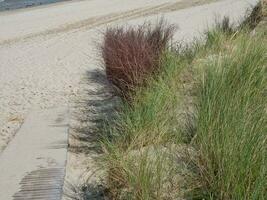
(192, 120)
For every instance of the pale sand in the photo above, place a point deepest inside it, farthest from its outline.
(46, 51)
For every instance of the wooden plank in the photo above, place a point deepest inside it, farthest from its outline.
(33, 164)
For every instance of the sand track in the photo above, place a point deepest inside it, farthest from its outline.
(101, 20)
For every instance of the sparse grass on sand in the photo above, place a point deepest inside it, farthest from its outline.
(198, 129)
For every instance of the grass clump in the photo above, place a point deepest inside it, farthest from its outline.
(231, 122)
(197, 130)
(132, 54)
(143, 148)
(143, 174)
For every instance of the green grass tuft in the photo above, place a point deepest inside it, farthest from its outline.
(231, 125)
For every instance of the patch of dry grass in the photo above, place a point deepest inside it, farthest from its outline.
(132, 54)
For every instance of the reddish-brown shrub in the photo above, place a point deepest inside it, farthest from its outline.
(130, 54)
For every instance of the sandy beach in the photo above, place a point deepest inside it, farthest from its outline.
(46, 51)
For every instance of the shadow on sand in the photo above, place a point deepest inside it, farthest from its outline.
(90, 112)
(97, 106)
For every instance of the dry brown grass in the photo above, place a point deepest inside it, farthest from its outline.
(131, 54)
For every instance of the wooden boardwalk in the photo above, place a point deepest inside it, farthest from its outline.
(32, 167)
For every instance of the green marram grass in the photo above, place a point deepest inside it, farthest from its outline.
(199, 129)
(142, 138)
(231, 127)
